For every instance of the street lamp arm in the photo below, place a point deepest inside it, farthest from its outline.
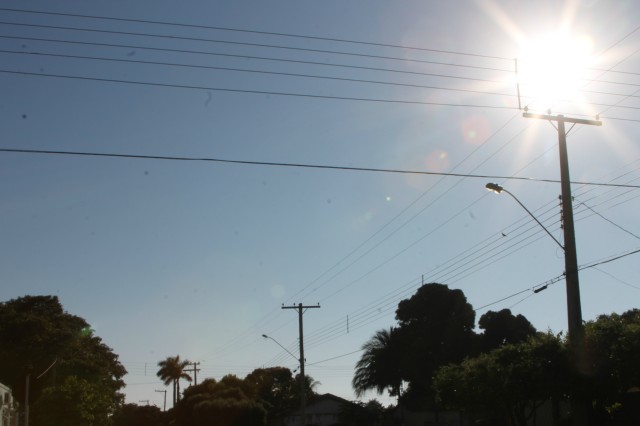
(498, 189)
(278, 343)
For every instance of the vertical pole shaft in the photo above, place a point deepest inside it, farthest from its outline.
(303, 396)
(26, 401)
(164, 406)
(195, 372)
(574, 311)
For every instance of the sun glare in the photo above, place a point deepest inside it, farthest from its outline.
(552, 70)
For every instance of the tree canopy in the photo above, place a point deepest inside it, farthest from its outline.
(74, 377)
(504, 373)
(507, 385)
(613, 351)
(502, 327)
(435, 327)
(379, 366)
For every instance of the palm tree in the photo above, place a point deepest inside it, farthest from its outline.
(171, 371)
(379, 366)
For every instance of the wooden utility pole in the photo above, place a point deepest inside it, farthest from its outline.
(303, 397)
(194, 370)
(579, 408)
(164, 406)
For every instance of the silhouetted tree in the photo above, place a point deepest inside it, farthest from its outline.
(501, 328)
(506, 385)
(171, 371)
(613, 351)
(435, 327)
(221, 403)
(379, 365)
(276, 387)
(74, 377)
(139, 415)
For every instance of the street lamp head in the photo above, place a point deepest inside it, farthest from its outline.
(265, 336)
(494, 187)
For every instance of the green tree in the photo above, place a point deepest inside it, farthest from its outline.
(171, 371)
(501, 328)
(508, 384)
(613, 351)
(435, 328)
(72, 373)
(379, 365)
(222, 403)
(73, 402)
(276, 387)
(364, 414)
(139, 415)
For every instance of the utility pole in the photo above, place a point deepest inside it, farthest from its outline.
(579, 407)
(26, 399)
(303, 397)
(194, 370)
(164, 406)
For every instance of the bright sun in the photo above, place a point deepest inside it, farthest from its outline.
(552, 70)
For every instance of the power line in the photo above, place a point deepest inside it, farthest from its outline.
(260, 32)
(609, 220)
(299, 165)
(390, 302)
(234, 43)
(255, 92)
(262, 58)
(208, 67)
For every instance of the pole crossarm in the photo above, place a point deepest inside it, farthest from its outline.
(549, 117)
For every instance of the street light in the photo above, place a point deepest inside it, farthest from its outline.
(494, 187)
(278, 343)
(301, 380)
(579, 408)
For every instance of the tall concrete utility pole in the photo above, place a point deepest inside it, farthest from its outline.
(579, 409)
(303, 397)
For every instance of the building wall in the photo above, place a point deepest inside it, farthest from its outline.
(325, 411)
(6, 406)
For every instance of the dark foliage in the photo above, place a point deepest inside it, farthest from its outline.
(74, 378)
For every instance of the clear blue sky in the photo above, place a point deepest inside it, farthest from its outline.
(170, 257)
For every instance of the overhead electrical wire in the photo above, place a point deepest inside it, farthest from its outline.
(262, 58)
(392, 303)
(337, 325)
(629, 120)
(174, 37)
(608, 184)
(246, 70)
(312, 76)
(234, 43)
(255, 92)
(300, 36)
(299, 165)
